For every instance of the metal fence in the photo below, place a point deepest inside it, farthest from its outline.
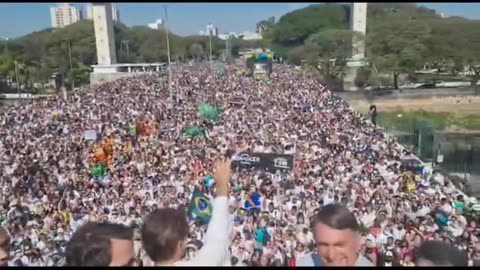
(461, 154)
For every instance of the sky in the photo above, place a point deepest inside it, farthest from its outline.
(18, 19)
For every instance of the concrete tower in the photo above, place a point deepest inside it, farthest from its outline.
(104, 35)
(358, 23)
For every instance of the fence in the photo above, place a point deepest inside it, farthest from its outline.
(460, 154)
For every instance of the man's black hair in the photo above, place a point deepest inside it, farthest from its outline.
(335, 216)
(439, 253)
(233, 260)
(91, 244)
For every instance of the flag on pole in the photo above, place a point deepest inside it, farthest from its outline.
(209, 112)
(200, 207)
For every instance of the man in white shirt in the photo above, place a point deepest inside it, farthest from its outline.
(166, 230)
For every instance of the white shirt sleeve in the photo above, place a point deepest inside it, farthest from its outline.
(215, 249)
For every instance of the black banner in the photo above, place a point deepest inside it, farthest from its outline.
(267, 161)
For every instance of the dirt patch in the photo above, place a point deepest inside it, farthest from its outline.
(460, 106)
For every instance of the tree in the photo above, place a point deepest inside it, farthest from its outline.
(196, 50)
(398, 46)
(334, 50)
(265, 28)
(7, 66)
(302, 54)
(295, 27)
(266, 25)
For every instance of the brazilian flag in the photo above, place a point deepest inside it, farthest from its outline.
(99, 170)
(200, 207)
(194, 131)
(209, 112)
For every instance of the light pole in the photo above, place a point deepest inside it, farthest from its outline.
(168, 59)
(126, 43)
(210, 42)
(72, 77)
(16, 79)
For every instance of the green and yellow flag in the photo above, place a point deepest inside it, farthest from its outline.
(209, 112)
(194, 131)
(99, 170)
(200, 207)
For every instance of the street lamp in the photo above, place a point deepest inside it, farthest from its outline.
(72, 79)
(210, 41)
(126, 43)
(16, 78)
(168, 59)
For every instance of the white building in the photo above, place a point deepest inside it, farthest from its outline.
(250, 35)
(158, 24)
(225, 36)
(115, 13)
(212, 30)
(246, 35)
(64, 14)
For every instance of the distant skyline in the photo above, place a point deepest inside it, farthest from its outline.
(18, 19)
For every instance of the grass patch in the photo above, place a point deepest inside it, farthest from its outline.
(409, 121)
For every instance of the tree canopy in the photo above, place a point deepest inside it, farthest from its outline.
(45, 52)
(401, 38)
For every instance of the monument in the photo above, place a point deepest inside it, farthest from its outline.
(358, 23)
(104, 35)
(107, 68)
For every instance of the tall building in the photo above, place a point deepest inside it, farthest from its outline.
(115, 13)
(158, 24)
(104, 35)
(64, 14)
(212, 30)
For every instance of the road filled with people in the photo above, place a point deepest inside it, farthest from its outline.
(117, 151)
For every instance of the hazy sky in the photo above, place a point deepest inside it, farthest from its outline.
(17, 19)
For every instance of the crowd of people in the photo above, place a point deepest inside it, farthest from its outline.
(136, 127)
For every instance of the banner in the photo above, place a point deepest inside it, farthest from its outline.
(268, 161)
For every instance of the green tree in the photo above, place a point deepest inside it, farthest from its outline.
(295, 27)
(334, 50)
(398, 46)
(266, 25)
(196, 50)
(7, 66)
(265, 28)
(302, 54)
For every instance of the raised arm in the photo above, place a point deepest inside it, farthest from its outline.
(215, 249)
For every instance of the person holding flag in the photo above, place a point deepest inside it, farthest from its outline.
(165, 231)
